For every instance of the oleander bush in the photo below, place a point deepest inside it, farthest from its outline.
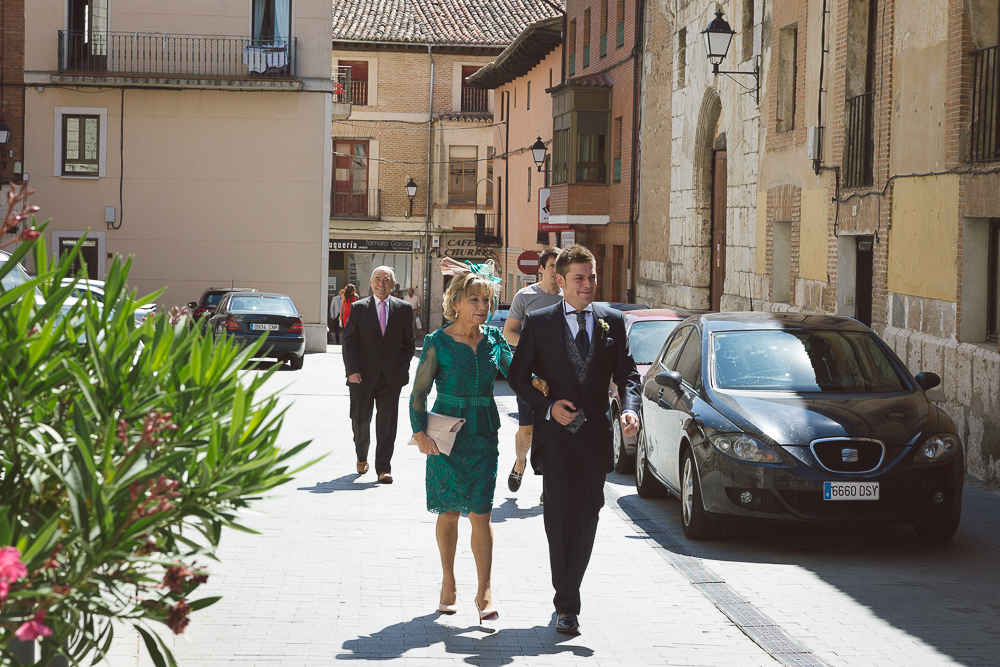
(124, 452)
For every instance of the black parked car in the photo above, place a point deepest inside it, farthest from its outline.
(794, 418)
(246, 316)
(210, 298)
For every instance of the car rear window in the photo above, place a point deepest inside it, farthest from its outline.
(802, 361)
(213, 298)
(265, 305)
(647, 338)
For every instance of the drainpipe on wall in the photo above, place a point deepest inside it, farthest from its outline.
(427, 223)
(633, 212)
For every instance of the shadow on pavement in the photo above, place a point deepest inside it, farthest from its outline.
(946, 594)
(499, 647)
(510, 510)
(345, 483)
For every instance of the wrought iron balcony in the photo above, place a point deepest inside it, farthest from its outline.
(586, 55)
(859, 144)
(572, 64)
(155, 53)
(620, 37)
(355, 204)
(985, 126)
(488, 230)
(475, 100)
(604, 44)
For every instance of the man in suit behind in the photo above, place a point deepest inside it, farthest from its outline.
(578, 348)
(378, 346)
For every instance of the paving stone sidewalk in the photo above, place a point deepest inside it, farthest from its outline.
(346, 569)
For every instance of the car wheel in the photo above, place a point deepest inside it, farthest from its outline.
(938, 531)
(646, 485)
(696, 523)
(295, 362)
(623, 460)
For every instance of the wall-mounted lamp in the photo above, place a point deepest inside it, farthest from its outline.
(538, 153)
(718, 37)
(411, 192)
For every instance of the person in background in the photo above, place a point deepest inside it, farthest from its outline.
(414, 301)
(350, 296)
(335, 309)
(378, 347)
(529, 298)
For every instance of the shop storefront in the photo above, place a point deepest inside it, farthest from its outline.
(352, 261)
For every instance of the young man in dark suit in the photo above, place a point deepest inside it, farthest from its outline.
(578, 348)
(378, 346)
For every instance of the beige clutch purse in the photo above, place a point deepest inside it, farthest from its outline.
(442, 429)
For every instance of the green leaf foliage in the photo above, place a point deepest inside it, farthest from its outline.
(124, 452)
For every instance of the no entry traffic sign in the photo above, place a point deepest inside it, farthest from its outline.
(527, 262)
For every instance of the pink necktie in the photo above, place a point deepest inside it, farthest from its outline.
(382, 316)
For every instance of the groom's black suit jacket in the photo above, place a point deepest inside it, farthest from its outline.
(542, 350)
(368, 352)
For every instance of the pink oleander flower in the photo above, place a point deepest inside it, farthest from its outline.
(177, 617)
(29, 235)
(33, 629)
(11, 569)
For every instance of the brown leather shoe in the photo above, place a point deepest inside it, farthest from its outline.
(362, 467)
(385, 478)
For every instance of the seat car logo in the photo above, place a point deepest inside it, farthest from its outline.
(849, 455)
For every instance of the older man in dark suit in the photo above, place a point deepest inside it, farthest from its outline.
(578, 348)
(378, 347)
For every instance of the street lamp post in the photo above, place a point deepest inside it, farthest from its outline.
(718, 37)
(411, 192)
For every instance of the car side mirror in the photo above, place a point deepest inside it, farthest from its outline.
(192, 304)
(928, 381)
(669, 379)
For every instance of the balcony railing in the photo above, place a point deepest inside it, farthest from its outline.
(359, 205)
(572, 64)
(859, 146)
(147, 53)
(621, 34)
(586, 55)
(604, 44)
(488, 230)
(617, 170)
(985, 130)
(475, 100)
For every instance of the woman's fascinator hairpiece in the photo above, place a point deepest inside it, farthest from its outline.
(486, 271)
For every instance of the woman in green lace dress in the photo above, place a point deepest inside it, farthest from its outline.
(463, 359)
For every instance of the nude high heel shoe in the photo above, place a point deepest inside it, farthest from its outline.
(490, 615)
(447, 608)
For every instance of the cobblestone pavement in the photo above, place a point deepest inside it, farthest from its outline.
(345, 569)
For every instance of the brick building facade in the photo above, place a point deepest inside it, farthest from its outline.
(396, 134)
(12, 88)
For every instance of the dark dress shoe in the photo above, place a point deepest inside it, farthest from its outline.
(514, 479)
(567, 624)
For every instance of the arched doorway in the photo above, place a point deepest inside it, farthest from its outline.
(710, 200)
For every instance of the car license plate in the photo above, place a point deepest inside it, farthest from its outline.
(850, 490)
(263, 327)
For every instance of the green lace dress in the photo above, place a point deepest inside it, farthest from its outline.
(463, 481)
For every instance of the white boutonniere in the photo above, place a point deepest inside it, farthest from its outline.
(604, 327)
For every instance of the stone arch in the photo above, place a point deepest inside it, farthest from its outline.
(704, 154)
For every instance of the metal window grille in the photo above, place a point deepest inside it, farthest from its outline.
(859, 145)
(985, 130)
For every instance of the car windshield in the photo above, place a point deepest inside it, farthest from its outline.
(646, 338)
(214, 298)
(265, 305)
(15, 277)
(802, 361)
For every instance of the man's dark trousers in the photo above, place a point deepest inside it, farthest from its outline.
(574, 494)
(386, 400)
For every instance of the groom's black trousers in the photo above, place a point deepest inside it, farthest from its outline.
(573, 485)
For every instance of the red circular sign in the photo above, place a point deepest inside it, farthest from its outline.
(527, 262)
